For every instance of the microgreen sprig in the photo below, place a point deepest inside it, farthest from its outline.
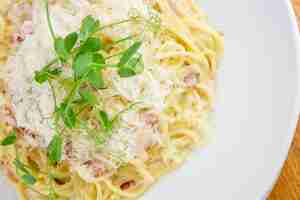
(21, 169)
(49, 19)
(83, 51)
(55, 149)
(10, 139)
(25, 175)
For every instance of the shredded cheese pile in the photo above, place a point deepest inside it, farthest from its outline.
(174, 96)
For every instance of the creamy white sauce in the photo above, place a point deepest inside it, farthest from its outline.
(33, 103)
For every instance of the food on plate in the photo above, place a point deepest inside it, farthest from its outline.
(99, 99)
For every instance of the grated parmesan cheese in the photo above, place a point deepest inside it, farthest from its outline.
(33, 103)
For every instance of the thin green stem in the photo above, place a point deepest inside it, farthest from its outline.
(52, 192)
(17, 153)
(49, 20)
(114, 24)
(105, 65)
(111, 65)
(40, 171)
(115, 55)
(53, 93)
(52, 62)
(121, 40)
(73, 92)
(125, 110)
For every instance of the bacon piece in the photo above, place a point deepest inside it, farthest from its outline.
(29, 133)
(17, 38)
(127, 185)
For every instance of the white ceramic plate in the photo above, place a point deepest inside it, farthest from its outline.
(256, 109)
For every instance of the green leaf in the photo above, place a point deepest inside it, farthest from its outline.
(10, 139)
(88, 97)
(67, 114)
(129, 53)
(20, 166)
(96, 80)
(45, 74)
(55, 149)
(41, 76)
(133, 67)
(98, 62)
(92, 44)
(89, 26)
(55, 72)
(70, 41)
(69, 118)
(67, 83)
(60, 48)
(28, 179)
(98, 58)
(136, 63)
(97, 67)
(82, 63)
(126, 72)
(104, 120)
(83, 124)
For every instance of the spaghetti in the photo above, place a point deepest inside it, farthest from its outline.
(165, 110)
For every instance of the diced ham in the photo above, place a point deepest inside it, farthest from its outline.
(146, 135)
(25, 30)
(28, 133)
(97, 167)
(150, 119)
(6, 116)
(21, 17)
(31, 137)
(68, 148)
(17, 38)
(191, 79)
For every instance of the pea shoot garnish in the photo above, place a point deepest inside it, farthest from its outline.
(83, 52)
(87, 55)
(22, 170)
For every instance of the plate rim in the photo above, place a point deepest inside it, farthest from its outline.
(295, 116)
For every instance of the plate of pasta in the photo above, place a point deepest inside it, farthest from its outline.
(136, 99)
